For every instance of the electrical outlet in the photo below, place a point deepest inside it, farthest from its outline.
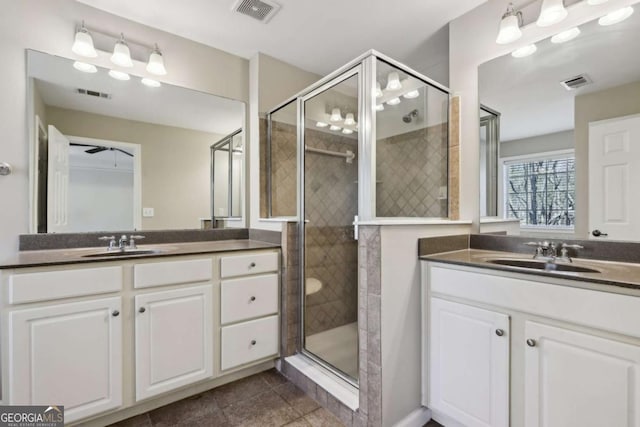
(147, 212)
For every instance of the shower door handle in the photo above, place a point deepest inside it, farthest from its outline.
(355, 227)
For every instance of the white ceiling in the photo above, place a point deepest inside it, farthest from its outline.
(312, 35)
(167, 105)
(527, 91)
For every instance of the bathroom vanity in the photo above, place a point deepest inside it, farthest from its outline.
(505, 346)
(109, 337)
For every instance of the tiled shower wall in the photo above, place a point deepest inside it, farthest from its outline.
(412, 174)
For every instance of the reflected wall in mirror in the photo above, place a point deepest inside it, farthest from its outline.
(568, 142)
(119, 155)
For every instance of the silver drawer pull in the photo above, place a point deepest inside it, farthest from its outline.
(115, 313)
(252, 299)
(142, 309)
(499, 332)
(531, 342)
(253, 264)
(253, 342)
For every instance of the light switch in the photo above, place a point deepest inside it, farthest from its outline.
(147, 212)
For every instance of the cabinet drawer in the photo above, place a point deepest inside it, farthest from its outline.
(242, 265)
(249, 341)
(50, 285)
(249, 297)
(172, 272)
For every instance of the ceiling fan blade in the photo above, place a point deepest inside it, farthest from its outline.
(96, 150)
(124, 152)
(76, 144)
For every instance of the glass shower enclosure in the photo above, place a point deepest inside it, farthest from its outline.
(370, 142)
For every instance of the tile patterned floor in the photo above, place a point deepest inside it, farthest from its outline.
(266, 400)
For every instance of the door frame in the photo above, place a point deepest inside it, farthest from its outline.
(356, 70)
(137, 170)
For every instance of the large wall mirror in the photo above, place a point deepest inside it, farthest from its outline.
(113, 155)
(566, 143)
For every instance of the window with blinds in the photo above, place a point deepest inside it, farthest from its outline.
(541, 192)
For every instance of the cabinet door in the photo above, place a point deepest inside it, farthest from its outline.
(174, 339)
(469, 364)
(577, 379)
(67, 354)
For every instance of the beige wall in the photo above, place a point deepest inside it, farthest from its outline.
(607, 104)
(472, 41)
(48, 26)
(175, 164)
(537, 144)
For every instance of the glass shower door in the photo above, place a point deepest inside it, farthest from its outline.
(329, 206)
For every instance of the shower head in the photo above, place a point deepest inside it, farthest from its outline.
(407, 118)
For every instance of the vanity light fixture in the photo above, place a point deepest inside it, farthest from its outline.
(551, 12)
(150, 82)
(510, 26)
(378, 91)
(119, 75)
(393, 81)
(616, 16)
(156, 63)
(565, 36)
(596, 2)
(347, 131)
(335, 116)
(84, 67)
(349, 121)
(412, 94)
(335, 128)
(524, 51)
(83, 43)
(394, 101)
(322, 124)
(380, 107)
(121, 54)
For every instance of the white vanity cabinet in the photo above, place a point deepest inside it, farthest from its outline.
(567, 354)
(469, 364)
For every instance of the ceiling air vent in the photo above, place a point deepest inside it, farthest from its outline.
(576, 82)
(94, 93)
(262, 10)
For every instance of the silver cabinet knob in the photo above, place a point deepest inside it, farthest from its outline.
(115, 313)
(253, 342)
(499, 332)
(5, 169)
(142, 310)
(253, 264)
(252, 299)
(531, 342)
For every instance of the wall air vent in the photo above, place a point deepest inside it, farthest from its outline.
(93, 93)
(262, 10)
(575, 82)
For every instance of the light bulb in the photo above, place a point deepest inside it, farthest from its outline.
(119, 75)
(378, 91)
(393, 81)
(394, 101)
(335, 128)
(524, 51)
(347, 131)
(551, 12)
(509, 26)
(322, 124)
(156, 63)
(150, 82)
(84, 67)
(616, 16)
(412, 94)
(335, 115)
(121, 54)
(349, 121)
(565, 36)
(380, 107)
(83, 43)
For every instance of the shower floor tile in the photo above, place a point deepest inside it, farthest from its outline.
(338, 347)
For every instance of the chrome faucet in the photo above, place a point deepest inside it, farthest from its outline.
(112, 242)
(122, 243)
(548, 251)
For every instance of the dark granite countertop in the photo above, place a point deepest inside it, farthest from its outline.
(78, 256)
(621, 274)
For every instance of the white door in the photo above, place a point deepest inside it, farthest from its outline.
(469, 364)
(174, 339)
(576, 379)
(57, 181)
(67, 354)
(614, 174)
